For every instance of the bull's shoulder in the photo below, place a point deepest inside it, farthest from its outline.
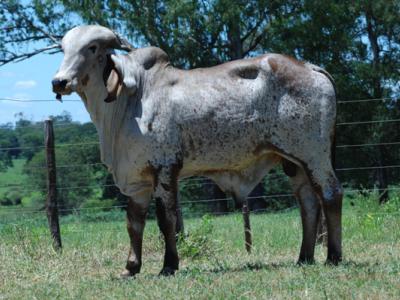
(150, 56)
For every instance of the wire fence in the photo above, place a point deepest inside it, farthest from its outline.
(75, 226)
(189, 182)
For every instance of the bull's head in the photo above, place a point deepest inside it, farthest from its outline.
(87, 57)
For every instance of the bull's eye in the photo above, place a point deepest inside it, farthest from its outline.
(93, 49)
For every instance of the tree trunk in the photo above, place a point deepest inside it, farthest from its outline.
(51, 203)
(382, 177)
(377, 93)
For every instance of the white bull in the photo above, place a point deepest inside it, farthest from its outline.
(232, 123)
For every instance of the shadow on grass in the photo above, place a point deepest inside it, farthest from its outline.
(358, 264)
(250, 266)
(257, 266)
(253, 266)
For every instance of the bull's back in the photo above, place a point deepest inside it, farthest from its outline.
(226, 113)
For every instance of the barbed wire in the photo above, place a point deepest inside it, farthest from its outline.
(183, 203)
(192, 214)
(366, 100)
(202, 181)
(368, 122)
(64, 125)
(369, 145)
(91, 143)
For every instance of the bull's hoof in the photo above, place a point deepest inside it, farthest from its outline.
(305, 261)
(127, 274)
(333, 260)
(167, 271)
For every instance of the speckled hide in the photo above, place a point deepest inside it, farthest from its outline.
(232, 122)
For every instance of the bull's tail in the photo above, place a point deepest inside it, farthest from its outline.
(329, 76)
(322, 233)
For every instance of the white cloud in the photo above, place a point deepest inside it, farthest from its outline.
(25, 84)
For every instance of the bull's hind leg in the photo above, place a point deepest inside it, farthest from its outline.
(328, 188)
(309, 208)
(136, 212)
(165, 193)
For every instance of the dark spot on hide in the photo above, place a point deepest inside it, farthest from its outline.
(149, 63)
(159, 202)
(173, 82)
(166, 187)
(289, 168)
(85, 80)
(248, 72)
(150, 126)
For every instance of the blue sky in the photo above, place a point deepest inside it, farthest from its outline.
(31, 79)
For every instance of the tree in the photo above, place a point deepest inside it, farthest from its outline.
(357, 42)
(8, 146)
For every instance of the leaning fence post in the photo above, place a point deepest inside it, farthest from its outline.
(51, 201)
(246, 222)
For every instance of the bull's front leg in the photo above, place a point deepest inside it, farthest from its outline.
(165, 194)
(136, 212)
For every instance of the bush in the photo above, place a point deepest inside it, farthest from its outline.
(34, 200)
(11, 198)
(197, 243)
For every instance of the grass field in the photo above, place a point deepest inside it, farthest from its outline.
(214, 263)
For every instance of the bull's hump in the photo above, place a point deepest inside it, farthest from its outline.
(150, 56)
(287, 70)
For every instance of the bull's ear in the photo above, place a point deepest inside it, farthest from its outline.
(112, 80)
(125, 67)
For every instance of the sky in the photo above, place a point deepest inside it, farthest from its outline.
(31, 80)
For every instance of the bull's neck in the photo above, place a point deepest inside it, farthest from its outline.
(107, 117)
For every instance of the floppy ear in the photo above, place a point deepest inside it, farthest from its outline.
(128, 71)
(112, 80)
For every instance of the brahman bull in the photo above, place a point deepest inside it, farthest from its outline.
(232, 123)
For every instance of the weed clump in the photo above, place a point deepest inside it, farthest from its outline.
(198, 242)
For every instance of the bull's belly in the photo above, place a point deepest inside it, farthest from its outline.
(234, 157)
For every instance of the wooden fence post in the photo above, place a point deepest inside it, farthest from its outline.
(51, 201)
(246, 222)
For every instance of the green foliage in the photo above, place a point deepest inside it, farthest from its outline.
(198, 242)
(7, 140)
(357, 42)
(34, 200)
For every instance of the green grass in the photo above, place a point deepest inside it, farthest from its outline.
(95, 251)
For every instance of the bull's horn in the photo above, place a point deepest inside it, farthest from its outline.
(123, 44)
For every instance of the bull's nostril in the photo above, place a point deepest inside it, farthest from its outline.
(63, 83)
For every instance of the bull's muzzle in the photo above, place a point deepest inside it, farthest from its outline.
(59, 85)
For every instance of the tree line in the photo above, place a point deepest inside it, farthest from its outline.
(358, 42)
